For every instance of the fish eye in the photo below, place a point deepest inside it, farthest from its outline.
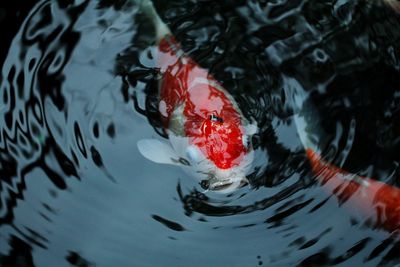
(215, 118)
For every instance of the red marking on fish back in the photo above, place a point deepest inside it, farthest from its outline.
(369, 198)
(186, 83)
(387, 206)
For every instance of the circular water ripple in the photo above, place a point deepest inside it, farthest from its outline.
(79, 89)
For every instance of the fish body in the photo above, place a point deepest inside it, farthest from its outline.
(195, 105)
(368, 199)
(208, 135)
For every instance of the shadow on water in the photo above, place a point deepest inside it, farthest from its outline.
(79, 88)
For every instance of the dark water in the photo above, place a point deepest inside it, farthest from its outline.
(79, 89)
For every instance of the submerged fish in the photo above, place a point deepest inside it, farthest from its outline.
(367, 199)
(208, 134)
(374, 201)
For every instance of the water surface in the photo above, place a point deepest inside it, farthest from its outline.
(79, 89)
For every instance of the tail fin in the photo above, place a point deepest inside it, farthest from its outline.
(148, 9)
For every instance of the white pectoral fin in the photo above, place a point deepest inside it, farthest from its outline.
(158, 151)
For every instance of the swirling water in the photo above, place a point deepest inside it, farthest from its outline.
(79, 89)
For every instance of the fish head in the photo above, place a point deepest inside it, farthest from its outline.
(222, 141)
(221, 152)
(215, 149)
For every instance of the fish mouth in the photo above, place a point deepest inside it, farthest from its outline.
(222, 185)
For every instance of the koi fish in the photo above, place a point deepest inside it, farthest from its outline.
(375, 202)
(208, 134)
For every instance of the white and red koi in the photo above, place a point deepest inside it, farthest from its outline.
(370, 200)
(207, 131)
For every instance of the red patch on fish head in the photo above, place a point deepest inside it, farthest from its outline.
(214, 125)
(218, 137)
(223, 141)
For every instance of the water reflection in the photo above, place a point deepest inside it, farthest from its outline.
(21, 254)
(79, 88)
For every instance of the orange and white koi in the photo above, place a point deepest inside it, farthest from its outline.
(373, 201)
(370, 200)
(208, 134)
